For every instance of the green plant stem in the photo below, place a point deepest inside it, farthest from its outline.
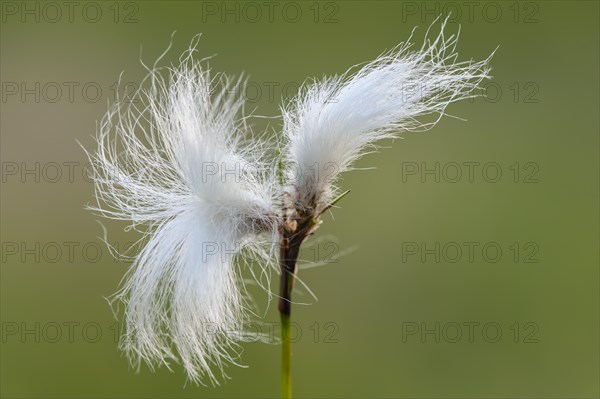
(293, 232)
(288, 266)
(286, 357)
(289, 251)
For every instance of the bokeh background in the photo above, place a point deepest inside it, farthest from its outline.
(400, 313)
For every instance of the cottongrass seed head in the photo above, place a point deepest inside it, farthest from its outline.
(178, 160)
(157, 164)
(333, 121)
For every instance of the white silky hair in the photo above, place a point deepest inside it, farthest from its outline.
(173, 160)
(331, 122)
(178, 161)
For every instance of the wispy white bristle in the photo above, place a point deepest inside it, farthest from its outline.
(331, 122)
(174, 162)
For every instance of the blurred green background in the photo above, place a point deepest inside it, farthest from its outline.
(522, 323)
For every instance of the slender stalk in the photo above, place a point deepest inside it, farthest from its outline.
(296, 226)
(288, 259)
(286, 357)
(292, 236)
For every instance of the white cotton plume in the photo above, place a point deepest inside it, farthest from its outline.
(173, 160)
(331, 122)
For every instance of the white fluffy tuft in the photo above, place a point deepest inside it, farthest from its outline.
(173, 160)
(331, 122)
